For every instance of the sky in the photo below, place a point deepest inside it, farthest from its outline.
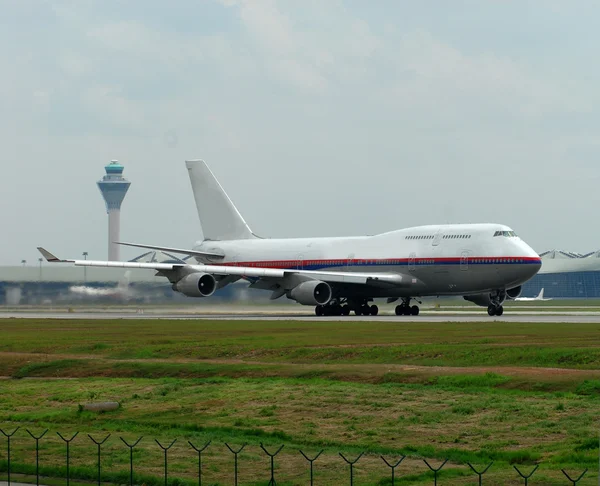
(319, 118)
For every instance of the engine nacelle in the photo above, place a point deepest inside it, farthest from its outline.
(197, 285)
(486, 299)
(514, 293)
(313, 292)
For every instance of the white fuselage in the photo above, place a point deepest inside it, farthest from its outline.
(447, 259)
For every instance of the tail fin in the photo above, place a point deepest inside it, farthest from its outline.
(541, 296)
(219, 218)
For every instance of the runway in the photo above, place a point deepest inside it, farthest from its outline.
(434, 316)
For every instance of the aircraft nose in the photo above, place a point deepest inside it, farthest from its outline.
(533, 267)
(532, 260)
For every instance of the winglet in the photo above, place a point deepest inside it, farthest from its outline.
(48, 256)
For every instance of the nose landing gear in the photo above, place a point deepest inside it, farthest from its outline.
(496, 298)
(495, 310)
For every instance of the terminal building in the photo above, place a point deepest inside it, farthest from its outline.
(566, 275)
(64, 284)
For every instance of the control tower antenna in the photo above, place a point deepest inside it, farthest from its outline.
(113, 188)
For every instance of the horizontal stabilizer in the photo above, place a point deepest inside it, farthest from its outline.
(175, 250)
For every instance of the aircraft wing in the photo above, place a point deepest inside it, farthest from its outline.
(385, 279)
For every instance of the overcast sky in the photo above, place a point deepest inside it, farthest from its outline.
(318, 117)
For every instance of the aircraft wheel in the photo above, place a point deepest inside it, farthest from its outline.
(414, 310)
(345, 310)
(374, 310)
(319, 310)
(491, 310)
(399, 310)
(499, 310)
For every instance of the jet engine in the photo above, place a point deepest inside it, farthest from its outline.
(197, 285)
(313, 292)
(513, 293)
(486, 299)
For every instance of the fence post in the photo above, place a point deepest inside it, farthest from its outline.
(131, 446)
(8, 436)
(165, 449)
(351, 466)
(311, 464)
(574, 481)
(526, 478)
(199, 451)
(482, 472)
(98, 444)
(68, 442)
(37, 454)
(393, 467)
(272, 456)
(235, 453)
(435, 471)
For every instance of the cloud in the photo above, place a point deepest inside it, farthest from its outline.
(443, 80)
(292, 102)
(311, 49)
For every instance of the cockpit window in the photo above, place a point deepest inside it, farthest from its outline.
(508, 234)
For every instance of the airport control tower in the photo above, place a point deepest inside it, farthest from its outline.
(113, 188)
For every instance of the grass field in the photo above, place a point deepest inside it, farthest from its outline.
(512, 393)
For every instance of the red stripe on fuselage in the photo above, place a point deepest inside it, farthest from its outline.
(383, 261)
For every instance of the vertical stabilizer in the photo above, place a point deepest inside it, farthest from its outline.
(541, 296)
(219, 218)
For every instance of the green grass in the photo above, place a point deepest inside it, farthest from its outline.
(430, 344)
(463, 421)
(464, 392)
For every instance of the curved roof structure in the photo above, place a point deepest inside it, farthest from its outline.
(558, 261)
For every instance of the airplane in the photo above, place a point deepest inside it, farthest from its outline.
(540, 297)
(121, 291)
(484, 263)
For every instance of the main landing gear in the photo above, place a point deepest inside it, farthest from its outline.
(338, 309)
(332, 310)
(405, 309)
(495, 310)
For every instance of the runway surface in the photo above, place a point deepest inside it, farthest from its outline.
(575, 316)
